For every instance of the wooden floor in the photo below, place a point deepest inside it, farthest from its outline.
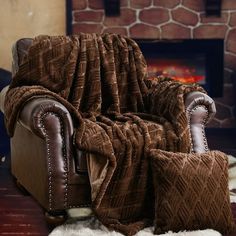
(21, 215)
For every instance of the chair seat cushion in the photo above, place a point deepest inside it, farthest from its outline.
(97, 165)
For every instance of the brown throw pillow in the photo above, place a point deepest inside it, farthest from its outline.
(191, 191)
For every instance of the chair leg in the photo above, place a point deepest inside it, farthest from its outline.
(55, 218)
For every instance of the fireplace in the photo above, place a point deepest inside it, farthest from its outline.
(189, 61)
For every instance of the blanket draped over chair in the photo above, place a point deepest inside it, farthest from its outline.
(102, 80)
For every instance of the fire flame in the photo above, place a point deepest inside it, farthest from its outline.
(182, 73)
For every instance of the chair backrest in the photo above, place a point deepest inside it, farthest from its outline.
(19, 50)
(128, 81)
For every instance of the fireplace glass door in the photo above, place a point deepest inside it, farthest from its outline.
(188, 61)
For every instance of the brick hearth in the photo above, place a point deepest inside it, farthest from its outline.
(170, 19)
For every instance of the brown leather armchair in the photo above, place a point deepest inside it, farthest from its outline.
(43, 158)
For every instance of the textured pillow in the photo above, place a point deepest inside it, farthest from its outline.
(191, 191)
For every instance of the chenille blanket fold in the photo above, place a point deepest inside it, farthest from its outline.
(118, 113)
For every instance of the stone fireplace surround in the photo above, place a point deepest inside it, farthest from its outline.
(169, 19)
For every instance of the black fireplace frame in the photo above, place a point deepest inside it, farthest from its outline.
(212, 48)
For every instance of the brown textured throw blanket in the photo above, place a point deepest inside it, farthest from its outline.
(118, 114)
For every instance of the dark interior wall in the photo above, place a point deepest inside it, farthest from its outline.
(5, 78)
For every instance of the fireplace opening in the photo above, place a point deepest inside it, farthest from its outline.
(189, 61)
(184, 69)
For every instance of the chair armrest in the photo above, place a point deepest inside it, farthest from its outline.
(47, 127)
(200, 109)
(166, 98)
(40, 114)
